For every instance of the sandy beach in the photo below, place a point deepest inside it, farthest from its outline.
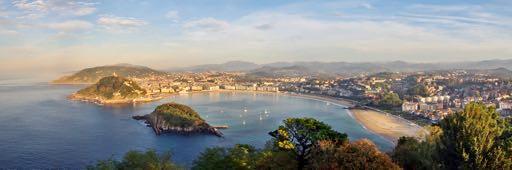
(386, 125)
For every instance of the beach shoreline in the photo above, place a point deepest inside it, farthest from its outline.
(385, 125)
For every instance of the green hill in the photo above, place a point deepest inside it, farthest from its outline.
(177, 118)
(111, 88)
(92, 75)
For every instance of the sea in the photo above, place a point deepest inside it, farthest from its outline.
(40, 128)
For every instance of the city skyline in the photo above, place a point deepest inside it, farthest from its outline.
(56, 36)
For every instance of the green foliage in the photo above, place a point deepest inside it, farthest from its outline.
(136, 160)
(410, 153)
(389, 101)
(108, 87)
(472, 139)
(418, 90)
(361, 154)
(238, 157)
(299, 135)
(178, 114)
(476, 138)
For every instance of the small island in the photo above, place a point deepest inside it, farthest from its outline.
(179, 119)
(113, 90)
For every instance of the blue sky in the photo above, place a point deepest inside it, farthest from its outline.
(62, 35)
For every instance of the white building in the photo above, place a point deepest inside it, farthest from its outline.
(505, 104)
(409, 106)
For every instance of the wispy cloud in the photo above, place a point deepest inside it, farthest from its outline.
(173, 15)
(33, 9)
(207, 24)
(120, 24)
(71, 25)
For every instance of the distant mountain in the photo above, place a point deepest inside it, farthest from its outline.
(345, 68)
(498, 72)
(228, 66)
(267, 71)
(92, 75)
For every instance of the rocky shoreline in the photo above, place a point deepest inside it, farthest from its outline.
(100, 101)
(159, 126)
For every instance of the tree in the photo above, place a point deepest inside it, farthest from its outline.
(419, 90)
(361, 154)
(300, 135)
(271, 157)
(390, 100)
(240, 156)
(148, 160)
(406, 153)
(475, 138)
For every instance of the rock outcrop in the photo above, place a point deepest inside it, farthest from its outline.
(178, 119)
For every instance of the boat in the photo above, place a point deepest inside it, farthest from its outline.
(261, 118)
(266, 111)
(243, 122)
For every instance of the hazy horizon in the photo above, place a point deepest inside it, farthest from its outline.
(56, 36)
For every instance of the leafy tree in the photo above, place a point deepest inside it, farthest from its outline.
(136, 160)
(475, 138)
(410, 153)
(238, 157)
(406, 153)
(361, 154)
(389, 100)
(418, 90)
(271, 157)
(300, 135)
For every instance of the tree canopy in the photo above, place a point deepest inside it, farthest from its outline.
(475, 138)
(136, 160)
(299, 135)
(472, 139)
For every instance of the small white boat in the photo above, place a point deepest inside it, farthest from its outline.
(261, 118)
(266, 111)
(245, 110)
(243, 122)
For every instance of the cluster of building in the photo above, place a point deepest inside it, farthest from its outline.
(206, 81)
(445, 92)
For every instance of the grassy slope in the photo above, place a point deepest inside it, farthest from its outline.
(107, 86)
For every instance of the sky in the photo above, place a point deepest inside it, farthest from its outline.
(65, 35)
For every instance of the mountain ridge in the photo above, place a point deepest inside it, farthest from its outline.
(355, 67)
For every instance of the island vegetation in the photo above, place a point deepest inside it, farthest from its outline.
(475, 138)
(112, 90)
(177, 118)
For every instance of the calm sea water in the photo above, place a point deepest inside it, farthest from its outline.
(40, 128)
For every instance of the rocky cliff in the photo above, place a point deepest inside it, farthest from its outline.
(178, 119)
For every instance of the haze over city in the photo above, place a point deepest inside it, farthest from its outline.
(59, 36)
